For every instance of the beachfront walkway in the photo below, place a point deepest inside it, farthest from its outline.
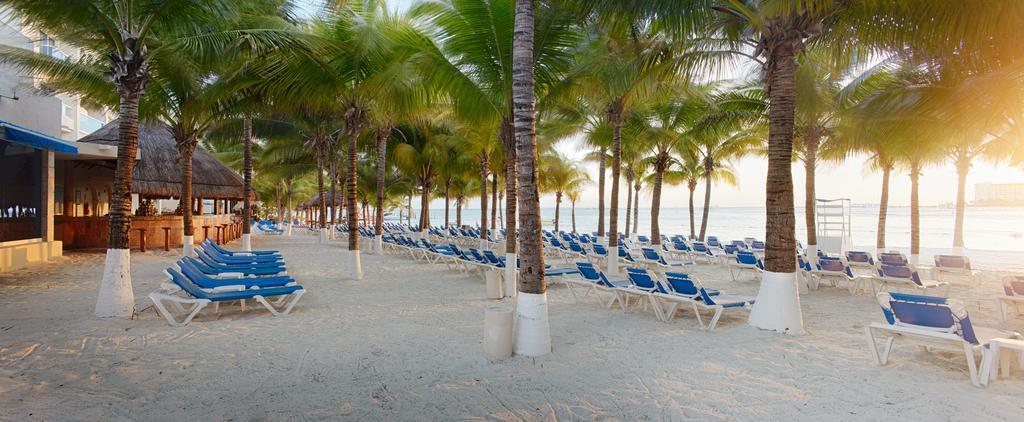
(405, 344)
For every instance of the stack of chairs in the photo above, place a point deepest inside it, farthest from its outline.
(220, 275)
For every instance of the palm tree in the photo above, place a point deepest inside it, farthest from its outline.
(472, 61)
(573, 194)
(120, 39)
(533, 336)
(558, 175)
(619, 68)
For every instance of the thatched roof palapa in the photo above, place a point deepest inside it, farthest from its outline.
(158, 171)
(314, 202)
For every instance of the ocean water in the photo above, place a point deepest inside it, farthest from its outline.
(994, 236)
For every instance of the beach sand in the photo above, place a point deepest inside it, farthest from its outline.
(405, 343)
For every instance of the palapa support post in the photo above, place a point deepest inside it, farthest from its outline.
(142, 239)
(167, 239)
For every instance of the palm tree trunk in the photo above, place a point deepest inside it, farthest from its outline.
(708, 169)
(447, 202)
(425, 206)
(777, 305)
(185, 155)
(636, 206)
(485, 162)
(963, 166)
(322, 218)
(629, 199)
(558, 204)
(494, 201)
(600, 193)
(382, 148)
(458, 211)
(354, 125)
(659, 175)
(915, 210)
(883, 207)
(533, 336)
(408, 217)
(692, 186)
(615, 117)
(573, 216)
(511, 181)
(115, 296)
(811, 141)
(333, 202)
(247, 176)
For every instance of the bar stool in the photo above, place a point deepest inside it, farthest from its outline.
(167, 238)
(206, 232)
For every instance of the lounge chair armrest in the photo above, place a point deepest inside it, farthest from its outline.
(242, 254)
(230, 275)
(229, 288)
(168, 288)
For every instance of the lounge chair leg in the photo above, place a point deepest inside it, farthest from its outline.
(972, 365)
(873, 345)
(696, 312)
(714, 319)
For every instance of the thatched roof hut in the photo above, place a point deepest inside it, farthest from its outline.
(158, 171)
(314, 202)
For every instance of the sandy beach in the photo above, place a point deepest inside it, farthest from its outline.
(405, 343)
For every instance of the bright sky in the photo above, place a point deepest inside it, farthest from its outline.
(846, 180)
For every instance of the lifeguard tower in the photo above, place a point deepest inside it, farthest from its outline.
(834, 225)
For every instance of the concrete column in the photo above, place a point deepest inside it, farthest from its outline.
(69, 191)
(47, 205)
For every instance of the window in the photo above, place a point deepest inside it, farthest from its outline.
(20, 193)
(88, 124)
(48, 46)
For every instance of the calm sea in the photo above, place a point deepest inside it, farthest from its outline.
(994, 236)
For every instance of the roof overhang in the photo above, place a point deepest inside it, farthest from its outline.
(24, 136)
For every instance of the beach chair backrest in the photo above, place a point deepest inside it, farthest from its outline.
(859, 257)
(677, 275)
(651, 254)
(746, 258)
(927, 312)
(892, 258)
(731, 249)
(588, 272)
(832, 265)
(600, 249)
(700, 247)
(757, 244)
(683, 286)
(680, 246)
(952, 261)
(1013, 285)
(899, 272)
(642, 280)
(185, 284)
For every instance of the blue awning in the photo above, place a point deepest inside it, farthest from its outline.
(28, 137)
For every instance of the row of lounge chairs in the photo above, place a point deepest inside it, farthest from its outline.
(665, 296)
(218, 275)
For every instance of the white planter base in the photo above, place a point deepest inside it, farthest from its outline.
(498, 333)
(482, 245)
(323, 235)
(493, 281)
(116, 298)
(378, 244)
(511, 275)
(959, 250)
(188, 247)
(353, 264)
(288, 230)
(914, 260)
(533, 335)
(600, 240)
(777, 306)
(612, 269)
(246, 242)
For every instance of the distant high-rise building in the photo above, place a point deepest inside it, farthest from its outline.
(999, 193)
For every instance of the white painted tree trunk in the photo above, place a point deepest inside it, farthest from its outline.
(323, 235)
(188, 247)
(511, 273)
(116, 298)
(246, 242)
(533, 335)
(613, 263)
(378, 244)
(777, 306)
(288, 230)
(353, 264)
(914, 258)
